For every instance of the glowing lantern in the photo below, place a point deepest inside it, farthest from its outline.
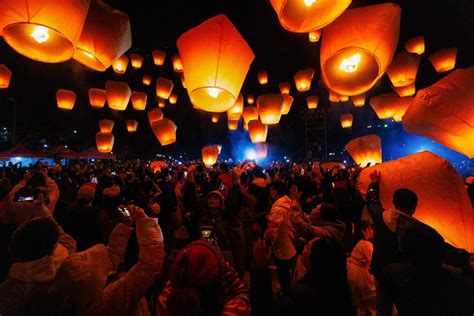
(444, 112)
(164, 87)
(161, 104)
(215, 118)
(358, 100)
(232, 124)
(43, 30)
(285, 87)
(118, 95)
(105, 37)
(235, 111)
(97, 97)
(357, 48)
(401, 107)
(257, 131)
(120, 65)
(415, 45)
(210, 154)
(334, 97)
(444, 59)
(344, 98)
(269, 108)
(312, 102)
(443, 202)
(177, 63)
(216, 60)
(390, 105)
(65, 99)
(365, 150)
(137, 60)
(106, 126)
(303, 79)
(5, 76)
(183, 82)
(314, 36)
(403, 68)
(287, 102)
(250, 113)
(155, 115)
(308, 15)
(263, 77)
(159, 57)
(173, 98)
(346, 120)
(405, 91)
(165, 131)
(261, 150)
(250, 99)
(104, 142)
(132, 126)
(139, 100)
(147, 80)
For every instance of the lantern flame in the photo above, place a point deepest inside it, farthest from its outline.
(309, 3)
(40, 33)
(213, 92)
(350, 64)
(88, 54)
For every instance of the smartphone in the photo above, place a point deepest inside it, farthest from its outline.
(27, 198)
(222, 187)
(124, 211)
(113, 173)
(26, 195)
(185, 174)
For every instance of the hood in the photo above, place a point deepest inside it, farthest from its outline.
(111, 192)
(396, 220)
(335, 229)
(260, 183)
(362, 254)
(283, 202)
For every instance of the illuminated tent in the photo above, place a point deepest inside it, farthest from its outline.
(365, 149)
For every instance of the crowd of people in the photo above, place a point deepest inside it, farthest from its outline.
(126, 238)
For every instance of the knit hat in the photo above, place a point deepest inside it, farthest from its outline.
(111, 192)
(219, 195)
(86, 191)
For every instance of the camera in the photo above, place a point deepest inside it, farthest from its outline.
(207, 234)
(26, 195)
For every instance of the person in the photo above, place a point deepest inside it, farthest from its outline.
(224, 175)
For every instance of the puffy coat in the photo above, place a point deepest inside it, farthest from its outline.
(280, 230)
(51, 187)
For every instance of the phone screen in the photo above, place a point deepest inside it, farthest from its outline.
(185, 174)
(27, 198)
(124, 211)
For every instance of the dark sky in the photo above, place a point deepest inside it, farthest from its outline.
(157, 24)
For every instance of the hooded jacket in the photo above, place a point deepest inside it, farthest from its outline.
(280, 230)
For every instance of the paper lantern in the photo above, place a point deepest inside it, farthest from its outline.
(97, 97)
(403, 68)
(405, 91)
(285, 87)
(262, 77)
(147, 80)
(164, 87)
(209, 155)
(139, 100)
(165, 131)
(444, 59)
(334, 97)
(443, 202)
(308, 15)
(159, 57)
(137, 60)
(444, 112)
(314, 36)
(250, 113)
(120, 65)
(106, 36)
(358, 100)
(415, 45)
(303, 79)
(154, 115)
(173, 98)
(250, 99)
(357, 48)
(106, 126)
(5, 76)
(161, 104)
(287, 102)
(214, 118)
(177, 63)
(65, 99)
(344, 98)
(216, 60)
(257, 131)
(235, 111)
(346, 120)
(118, 95)
(132, 126)
(104, 142)
(365, 149)
(43, 30)
(269, 108)
(232, 124)
(401, 106)
(312, 102)
(183, 82)
(261, 150)
(390, 105)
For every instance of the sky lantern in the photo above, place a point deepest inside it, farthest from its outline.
(303, 79)
(159, 57)
(444, 59)
(120, 65)
(365, 149)
(104, 142)
(215, 118)
(415, 45)
(132, 126)
(147, 80)
(210, 154)
(269, 108)
(42, 30)
(405, 91)
(164, 87)
(250, 99)
(118, 95)
(261, 150)
(5, 76)
(173, 98)
(358, 47)
(358, 100)
(177, 63)
(250, 113)
(344, 98)
(65, 99)
(401, 107)
(390, 105)
(232, 124)
(314, 36)
(97, 97)
(154, 115)
(262, 77)
(137, 60)
(443, 202)
(308, 15)
(346, 120)
(312, 102)
(165, 131)
(334, 96)
(139, 100)
(235, 111)
(287, 102)
(444, 112)
(161, 104)
(106, 126)
(257, 131)
(403, 68)
(106, 36)
(216, 60)
(285, 87)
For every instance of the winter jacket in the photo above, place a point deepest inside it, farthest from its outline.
(51, 188)
(320, 228)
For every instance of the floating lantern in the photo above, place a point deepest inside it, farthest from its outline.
(444, 59)
(257, 131)
(139, 100)
(106, 126)
(358, 100)
(250, 99)
(390, 105)
(287, 102)
(5, 77)
(415, 45)
(346, 120)
(120, 65)
(365, 150)
(177, 63)
(314, 36)
(132, 126)
(269, 108)
(154, 115)
(312, 102)
(147, 80)
(65, 99)
(210, 154)
(285, 87)
(403, 68)
(97, 97)
(104, 142)
(232, 124)
(159, 57)
(165, 131)
(250, 113)
(344, 98)
(261, 150)
(161, 104)
(215, 118)
(137, 60)
(235, 111)
(334, 97)
(263, 77)
(405, 91)
(164, 87)
(303, 79)
(173, 98)
(118, 95)
(216, 60)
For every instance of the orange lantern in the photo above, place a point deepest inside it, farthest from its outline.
(263, 77)
(132, 126)
(250, 113)
(344, 98)
(261, 150)
(235, 111)
(42, 30)
(443, 202)
(137, 60)
(390, 105)
(365, 150)
(177, 63)
(285, 87)
(118, 95)
(210, 154)
(216, 60)
(97, 97)
(104, 142)
(5, 76)
(215, 118)
(287, 102)
(444, 112)
(257, 131)
(147, 80)
(120, 65)
(269, 108)
(106, 126)
(139, 100)
(105, 37)
(173, 98)
(165, 131)
(334, 97)
(405, 91)
(232, 124)
(308, 15)
(357, 48)
(346, 120)
(403, 68)
(65, 99)
(415, 45)
(159, 57)
(161, 104)
(401, 107)
(154, 115)
(358, 100)
(312, 102)
(250, 99)
(303, 79)
(444, 59)
(314, 36)
(164, 87)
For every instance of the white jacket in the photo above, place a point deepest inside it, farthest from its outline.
(280, 231)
